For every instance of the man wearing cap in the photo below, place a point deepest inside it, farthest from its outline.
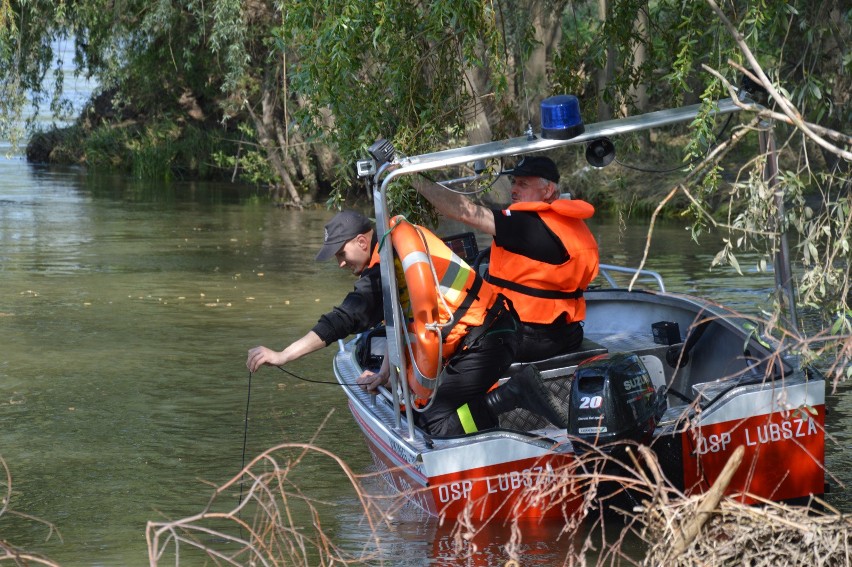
(543, 255)
(350, 238)
(480, 353)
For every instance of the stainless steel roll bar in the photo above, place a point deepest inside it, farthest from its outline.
(407, 165)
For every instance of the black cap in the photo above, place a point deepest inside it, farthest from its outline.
(535, 166)
(342, 228)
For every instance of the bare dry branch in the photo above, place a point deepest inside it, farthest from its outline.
(764, 112)
(709, 502)
(792, 114)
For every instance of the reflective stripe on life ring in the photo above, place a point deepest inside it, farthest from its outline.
(424, 332)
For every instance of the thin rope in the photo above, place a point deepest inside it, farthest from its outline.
(648, 170)
(691, 162)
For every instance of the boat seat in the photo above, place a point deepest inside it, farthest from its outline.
(588, 348)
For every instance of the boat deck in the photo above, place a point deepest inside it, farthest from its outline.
(556, 371)
(519, 423)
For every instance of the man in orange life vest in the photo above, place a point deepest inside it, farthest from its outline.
(543, 255)
(462, 403)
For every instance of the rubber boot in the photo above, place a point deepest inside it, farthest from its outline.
(526, 390)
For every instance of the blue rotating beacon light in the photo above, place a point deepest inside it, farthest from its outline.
(560, 117)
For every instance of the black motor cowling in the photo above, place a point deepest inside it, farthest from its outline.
(612, 399)
(371, 348)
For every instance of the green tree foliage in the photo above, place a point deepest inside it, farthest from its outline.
(392, 69)
(27, 36)
(305, 86)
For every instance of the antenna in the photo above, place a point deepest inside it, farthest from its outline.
(529, 130)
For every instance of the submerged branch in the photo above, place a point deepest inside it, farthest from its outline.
(9, 552)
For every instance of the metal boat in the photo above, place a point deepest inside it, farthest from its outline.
(707, 378)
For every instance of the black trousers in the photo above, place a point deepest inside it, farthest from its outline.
(538, 342)
(468, 375)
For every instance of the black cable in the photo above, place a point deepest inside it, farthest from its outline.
(303, 379)
(296, 376)
(245, 435)
(644, 170)
(692, 162)
(466, 193)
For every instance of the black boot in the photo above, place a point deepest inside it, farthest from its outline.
(526, 390)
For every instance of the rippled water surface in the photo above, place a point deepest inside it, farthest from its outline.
(125, 314)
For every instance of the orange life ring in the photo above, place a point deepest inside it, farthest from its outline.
(426, 341)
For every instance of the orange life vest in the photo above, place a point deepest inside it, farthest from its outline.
(374, 259)
(541, 292)
(438, 317)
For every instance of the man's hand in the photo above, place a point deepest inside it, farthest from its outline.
(371, 381)
(258, 356)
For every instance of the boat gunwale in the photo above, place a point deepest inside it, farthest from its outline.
(422, 442)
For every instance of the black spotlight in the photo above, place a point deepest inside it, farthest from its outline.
(382, 151)
(600, 152)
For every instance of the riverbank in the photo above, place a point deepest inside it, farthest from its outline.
(187, 146)
(108, 136)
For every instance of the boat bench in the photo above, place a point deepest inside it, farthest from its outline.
(557, 372)
(588, 348)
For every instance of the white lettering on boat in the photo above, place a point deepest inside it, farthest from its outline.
(511, 481)
(713, 443)
(455, 491)
(773, 432)
(757, 435)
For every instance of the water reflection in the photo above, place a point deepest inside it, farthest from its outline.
(411, 539)
(125, 316)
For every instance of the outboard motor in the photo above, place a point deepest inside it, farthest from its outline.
(371, 348)
(612, 399)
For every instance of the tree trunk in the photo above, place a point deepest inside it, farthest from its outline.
(265, 127)
(295, 157)
(639, 90)
(547, 24)
(479, 132)
(604, 74)
(325, 158)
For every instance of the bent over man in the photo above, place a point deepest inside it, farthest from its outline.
(478, 349)
(543, 255)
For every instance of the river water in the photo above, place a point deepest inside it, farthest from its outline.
(126, 312)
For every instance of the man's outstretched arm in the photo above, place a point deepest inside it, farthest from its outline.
(455, 206)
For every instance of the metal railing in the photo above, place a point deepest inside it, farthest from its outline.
(389, 172)
(604, 270)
